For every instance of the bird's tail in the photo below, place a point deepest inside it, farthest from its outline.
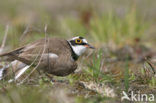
(2, 71)
(19, 74)
(17, 66)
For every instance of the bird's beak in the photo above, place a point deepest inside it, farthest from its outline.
(89, 46)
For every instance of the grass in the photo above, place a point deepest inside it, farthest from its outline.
(109, 27)
(95, 68)
(103, 30)
(126, 77)
(30, 95)
(118, 30)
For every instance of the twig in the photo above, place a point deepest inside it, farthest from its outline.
(4, 38)
(45, 30)
(24, 33)
(151, 65)
(24, 67)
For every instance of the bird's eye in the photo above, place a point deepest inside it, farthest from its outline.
(78, 41)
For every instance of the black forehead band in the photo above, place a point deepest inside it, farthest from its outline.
(81, 37)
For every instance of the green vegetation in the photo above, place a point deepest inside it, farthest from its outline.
(123, 33)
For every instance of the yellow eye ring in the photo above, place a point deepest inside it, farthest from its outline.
(78, 41)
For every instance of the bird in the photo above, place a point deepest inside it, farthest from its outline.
(56, 56)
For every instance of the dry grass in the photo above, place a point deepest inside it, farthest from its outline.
(123, 32)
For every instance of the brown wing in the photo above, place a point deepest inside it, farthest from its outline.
(27, 54)
(12, 55)
(61, 66)
(27, 50)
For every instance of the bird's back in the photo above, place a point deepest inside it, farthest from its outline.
(28, 53)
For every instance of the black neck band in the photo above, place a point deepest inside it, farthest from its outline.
(74, 56)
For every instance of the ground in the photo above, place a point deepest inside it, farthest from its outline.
(122, 31)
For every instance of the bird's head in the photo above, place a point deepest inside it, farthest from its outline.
(79, 45)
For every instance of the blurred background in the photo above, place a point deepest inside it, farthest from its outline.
(107, 21)
(123, 31)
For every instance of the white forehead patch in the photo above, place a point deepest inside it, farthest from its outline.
(75, 38)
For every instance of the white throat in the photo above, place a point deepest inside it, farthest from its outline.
(79, 49)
